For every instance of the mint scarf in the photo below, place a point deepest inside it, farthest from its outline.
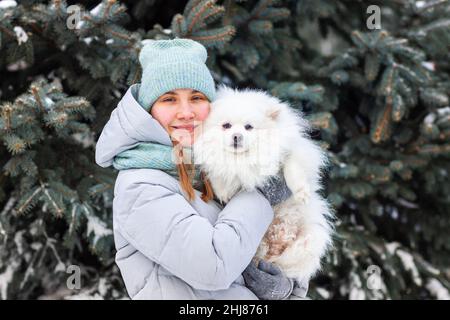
(158, 156)
(152, 156)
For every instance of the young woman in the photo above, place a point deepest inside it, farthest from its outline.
(171, 243)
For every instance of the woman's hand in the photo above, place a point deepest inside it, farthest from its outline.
(275, 190)
(267, 281)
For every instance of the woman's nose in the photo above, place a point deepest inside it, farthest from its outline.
(185, 111)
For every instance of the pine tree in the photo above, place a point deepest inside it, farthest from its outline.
(377, 98)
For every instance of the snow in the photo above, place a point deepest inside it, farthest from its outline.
(8, 206)
(102, 287)
(443, 111)
(19, 65)
(429, 119)
(356, 291)
(407, 204)
(324, 293)
(48, 102)
(380, 294)
(36, 246)
(391, 247)
(33, 230)
(18, 241)
(109, 41)
(429, 65)
(72, 215)
(431, 269)
(408, 262)
(4, 4)
(394, 213)
(84, 296)
(420, 4)
(437, 290)
(60, 267)
(21, 35)
(85, 139)
(6, 278)
(117, 94)
(98, 227)
(79, 24)
(97, 9)
(88, 40)
(30, 270)
(343, 290)
(3, 232)
(107, 199)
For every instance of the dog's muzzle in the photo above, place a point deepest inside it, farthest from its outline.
(237, 139)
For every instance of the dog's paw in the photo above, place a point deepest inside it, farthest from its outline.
(302, 193)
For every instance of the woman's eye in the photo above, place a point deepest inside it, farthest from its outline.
(167, 100)
(226, 125)
(197, 98)
(248, 127)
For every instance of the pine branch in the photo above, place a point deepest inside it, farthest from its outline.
(260, 6)
(380, 133)
(35, 93)
(58, 209)
(30, 199)
(219, 36)
(208, 5)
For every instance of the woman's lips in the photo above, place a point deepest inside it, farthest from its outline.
(185, 127)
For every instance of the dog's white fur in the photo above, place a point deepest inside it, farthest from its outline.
(239, 157)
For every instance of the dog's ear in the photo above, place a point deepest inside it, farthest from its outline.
(273, 112)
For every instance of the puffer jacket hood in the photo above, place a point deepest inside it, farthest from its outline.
(128, 125)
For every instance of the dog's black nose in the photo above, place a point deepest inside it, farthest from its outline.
(237, 139)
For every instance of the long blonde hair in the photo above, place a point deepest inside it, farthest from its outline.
(186, 172)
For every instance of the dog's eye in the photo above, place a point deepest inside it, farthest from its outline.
(226, 125)
(248, 127)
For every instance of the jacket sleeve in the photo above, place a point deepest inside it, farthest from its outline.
(163, 226)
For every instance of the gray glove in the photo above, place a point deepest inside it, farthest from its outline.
(267, 281)
(275, 189)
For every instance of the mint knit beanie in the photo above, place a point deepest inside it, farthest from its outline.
(173, 64)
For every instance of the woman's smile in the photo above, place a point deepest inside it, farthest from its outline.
(187, 127)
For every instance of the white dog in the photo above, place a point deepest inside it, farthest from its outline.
(250, 136)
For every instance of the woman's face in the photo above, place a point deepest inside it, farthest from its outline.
(181, 113)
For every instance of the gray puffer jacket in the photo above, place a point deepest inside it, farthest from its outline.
(168, 247)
